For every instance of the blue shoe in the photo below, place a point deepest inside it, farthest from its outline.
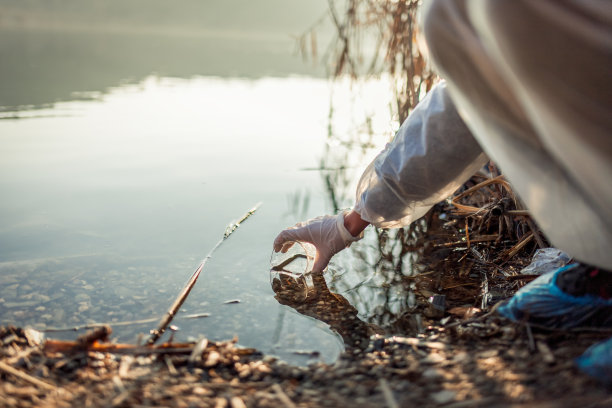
(542, 301)
(596, 361)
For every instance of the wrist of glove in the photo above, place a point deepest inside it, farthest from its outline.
(327, 233)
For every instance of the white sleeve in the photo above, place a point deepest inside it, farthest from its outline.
(432, 155)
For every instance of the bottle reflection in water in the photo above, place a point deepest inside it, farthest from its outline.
(291, 272)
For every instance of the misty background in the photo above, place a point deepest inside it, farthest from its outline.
(69, 49)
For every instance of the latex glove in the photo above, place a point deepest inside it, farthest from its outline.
(327, 233)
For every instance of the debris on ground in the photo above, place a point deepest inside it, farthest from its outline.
(484, 362)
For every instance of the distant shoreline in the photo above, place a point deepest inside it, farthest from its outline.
(166, 31)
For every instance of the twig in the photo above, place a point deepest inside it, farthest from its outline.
(344, 56)
(125, 323)
(468, 209)
(282, 396)
(98, 334)
(547, 355)
(118, 384)
(459, 285)
(165, 321)
(513, 278)
(485, 292)
(517, 213)
(120, 398)
(387, 393)
(482, 260)
(535, 232)
(22, 354)
(514, 250)
(198, 349)
(481, 238)
(171, 368)
(26, 377)
(475, 318)
(178, 302)
(66, 345)
(124, 366)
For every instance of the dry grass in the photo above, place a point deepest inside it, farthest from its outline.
(376, 37)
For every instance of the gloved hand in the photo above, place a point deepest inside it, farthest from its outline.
(327, 233)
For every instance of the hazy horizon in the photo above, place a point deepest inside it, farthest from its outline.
(73, 50)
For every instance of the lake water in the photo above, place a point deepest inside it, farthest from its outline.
(120, 168)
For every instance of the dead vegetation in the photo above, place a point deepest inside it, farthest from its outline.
(374, 37)
(481, 362)
(472, 247)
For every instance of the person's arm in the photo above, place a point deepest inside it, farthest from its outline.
(432, 154)
(354, 223)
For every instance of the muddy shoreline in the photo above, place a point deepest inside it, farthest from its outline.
(485, 361)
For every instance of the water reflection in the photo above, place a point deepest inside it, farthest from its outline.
(106, 212)
(382, 277)
(365, 290)
(370, 288)
(119, 176)
(375, 275)
(310, 296)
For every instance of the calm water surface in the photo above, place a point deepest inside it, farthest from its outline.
(112, 192)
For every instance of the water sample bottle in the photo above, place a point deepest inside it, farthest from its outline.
(290, 272)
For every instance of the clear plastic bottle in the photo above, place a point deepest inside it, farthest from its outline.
(291, 272)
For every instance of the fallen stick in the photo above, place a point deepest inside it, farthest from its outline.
(387, 393)
(468, 209)
(115, 324)
(26, 377)
(506, 255)
(547, 355)
(481, 238)
(68, 346)
(99, 334)
(535, 232)
(282, 396)
(476, 318)
(165, 321)
(62, 346)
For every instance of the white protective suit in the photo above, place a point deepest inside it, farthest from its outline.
(533, 82)
(430, 157)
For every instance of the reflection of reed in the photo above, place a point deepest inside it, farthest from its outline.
(377, 276)
(298, 204)
(375, 281)
(372, 279)
(368, 280)
(466, 248)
